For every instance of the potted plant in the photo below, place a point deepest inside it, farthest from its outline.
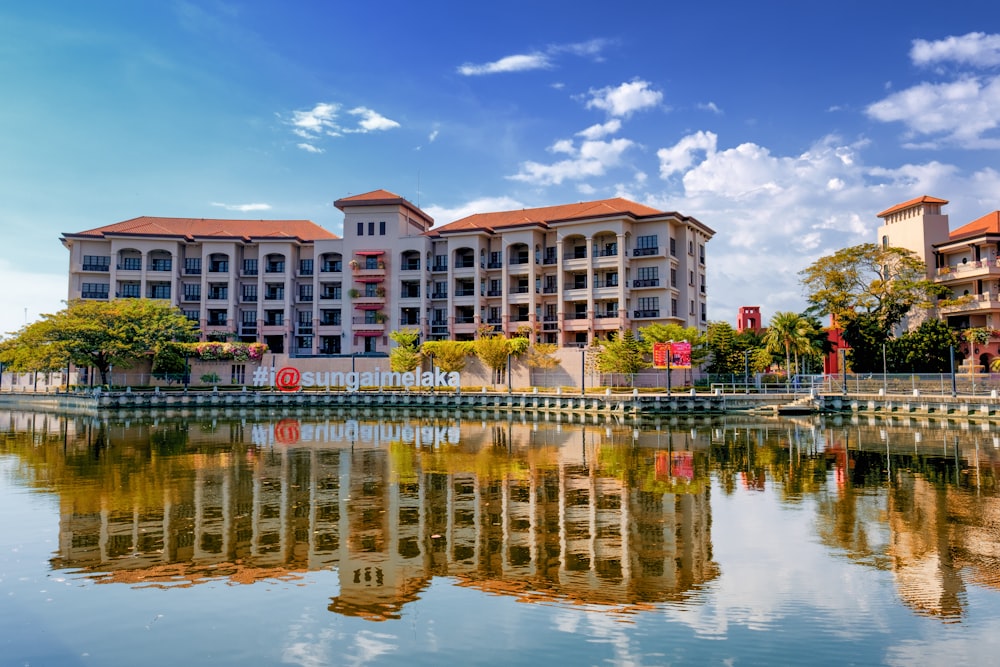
(380, 291)
(354, 264)
(353, 293)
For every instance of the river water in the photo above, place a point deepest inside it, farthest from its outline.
(228, 538)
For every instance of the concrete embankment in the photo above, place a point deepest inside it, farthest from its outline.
(607, 403)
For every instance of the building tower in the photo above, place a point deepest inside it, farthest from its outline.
(748, 319)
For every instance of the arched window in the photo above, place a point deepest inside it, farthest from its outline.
(885, 241)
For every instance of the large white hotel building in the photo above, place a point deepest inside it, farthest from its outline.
(569, 273)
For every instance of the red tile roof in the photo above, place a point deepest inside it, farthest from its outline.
(380, 198)
(192, 228)
(913, 202)
(988, 224)
(548, 215)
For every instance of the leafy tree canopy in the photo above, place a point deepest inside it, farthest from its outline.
(106, 333)
(867, 279)
(622, 354)
(406, 356)
(449, 355)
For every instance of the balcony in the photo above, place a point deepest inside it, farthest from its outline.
(467, 291)
(550, 289)
(94, 295)
(367, 301)
(369, 275)
(248, 329)
(367, 324)
(191, 296)
(331, 267)
(970, 303)
(967, 270)
(218, 267)
(646, 282)
(102, 268)
(494, 264)
(640, 314)
(646, 252)
(439, 268)
(439, 295)
(550, 323)
(334, 294)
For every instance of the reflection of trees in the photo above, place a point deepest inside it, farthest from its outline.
(571, 512)
(542, 512)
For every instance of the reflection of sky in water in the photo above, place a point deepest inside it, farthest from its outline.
(786, 591)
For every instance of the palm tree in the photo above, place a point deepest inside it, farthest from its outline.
(790, 332)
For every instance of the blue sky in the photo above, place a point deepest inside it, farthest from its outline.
(784, 126)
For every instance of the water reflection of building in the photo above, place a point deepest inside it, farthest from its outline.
(547, 521)
(934, 527)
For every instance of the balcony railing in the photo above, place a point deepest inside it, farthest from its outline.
(645, 252)
(468, 291)
(465, 319)
(494, 264)
(93, 295)
(550, 289)
(494, 292)
(439, 295)
(331, 267)
(646, 313)
(646, 282)
(96, 267)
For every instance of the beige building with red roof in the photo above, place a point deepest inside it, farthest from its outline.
(966, 260)
(568, 274)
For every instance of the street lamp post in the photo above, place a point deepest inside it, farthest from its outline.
(670, 353)
(843, 370)
(583, 370)
(746, 371)
(885, 379)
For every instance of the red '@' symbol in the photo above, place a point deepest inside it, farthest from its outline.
(287, 379)
(287, 432)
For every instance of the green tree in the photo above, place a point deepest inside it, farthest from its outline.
(542, 356)
(32, 350)
(106, 333)
(622, 354)
(789, 332)
(724, 357)
(926, 349)
(882, 282)
(494, 351)
(449, 355)
(406, 356)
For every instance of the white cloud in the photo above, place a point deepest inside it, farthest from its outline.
(562, 146)
(243, 207)
(681, 155)
(601, 130)
(313, 122)
(515, 63)
(372, 121)
(710, 106)
(432, 136)
(957, 113)
(776, 214)
(593, 158)
(976, 49)
(443, 216)
(625, 99)
(323, 121)
(524, 62)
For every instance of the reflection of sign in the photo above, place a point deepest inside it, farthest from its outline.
(287, 432)
(672, 355)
